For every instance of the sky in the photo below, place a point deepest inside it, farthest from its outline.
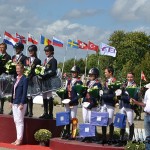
(85, 20)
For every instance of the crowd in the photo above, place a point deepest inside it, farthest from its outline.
(25, 88)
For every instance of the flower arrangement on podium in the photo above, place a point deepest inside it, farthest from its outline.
(115, 85)
(61, 93)
(27, 71)
(80, 89)
(39, 70)
(42, 135)
(94, 91)
(10, 67)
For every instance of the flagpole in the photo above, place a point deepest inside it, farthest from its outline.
(64, 61)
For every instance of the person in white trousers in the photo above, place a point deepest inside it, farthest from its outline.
(18, 102)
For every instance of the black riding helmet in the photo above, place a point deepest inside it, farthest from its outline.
(49, 48)
(75, 69)
(32, 48)
(19, 46)
(94, 71)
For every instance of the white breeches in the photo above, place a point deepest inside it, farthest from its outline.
(19, 119)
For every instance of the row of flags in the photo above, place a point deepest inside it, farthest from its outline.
(104, 48)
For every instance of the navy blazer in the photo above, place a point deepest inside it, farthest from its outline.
(20, 91)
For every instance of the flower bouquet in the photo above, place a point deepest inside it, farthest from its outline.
(62, 93)
(27, 71)
(10, 67)
(42, 135)
(94, 91)
(131, 90)
(115, 85)
(80, 89)
(39, 70)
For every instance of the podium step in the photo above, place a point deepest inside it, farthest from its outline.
(59, 144)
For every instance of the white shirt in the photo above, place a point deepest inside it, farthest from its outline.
(147, 101)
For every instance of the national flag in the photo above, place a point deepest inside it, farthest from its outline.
(31, 39)
(82, 45)
(45, 41)
(92, 46)
(21, 38)
(9, 39)
(72, 44)
(143, 76)
(107, 50)
(57, 42)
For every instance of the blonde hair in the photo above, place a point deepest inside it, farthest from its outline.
(20, 65)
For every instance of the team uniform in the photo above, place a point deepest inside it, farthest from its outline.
(33, 82)
(127, 108)
(108, 105)
(18, 58)
(92, 100)
(50, 71)
(4, 80)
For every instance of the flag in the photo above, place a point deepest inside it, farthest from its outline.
(82, 45)
(9, 39)
(57, 42)
(143, 76)
(45, 41)
(92, 46)
(31, 39)
(107, 50)
(21, 38)
(72, 44)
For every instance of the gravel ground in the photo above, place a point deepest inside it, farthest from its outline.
(38, 110)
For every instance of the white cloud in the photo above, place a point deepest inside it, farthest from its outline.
(131, 10)
(76, 13)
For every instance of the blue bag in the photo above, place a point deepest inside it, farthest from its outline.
(62, 118)
(99, 118)
(120, 121)
(86, 130)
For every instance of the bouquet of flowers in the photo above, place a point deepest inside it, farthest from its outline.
(131, 90)
(80, 89)
(10, 67)
(62, 93)
(115, 85)
(94, 91)
(39, 70)
(27, 71)
(42, 135)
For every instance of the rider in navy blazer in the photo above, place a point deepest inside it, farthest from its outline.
(20, 91)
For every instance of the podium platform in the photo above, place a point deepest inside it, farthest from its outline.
(8, 130)
(59, 144)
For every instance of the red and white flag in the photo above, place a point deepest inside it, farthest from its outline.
(143, 76)
(21, 38)
(82, 45)
(31, 39)
(92, 46)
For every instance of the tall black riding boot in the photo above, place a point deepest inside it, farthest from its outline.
(50, 107)
(67, 136)
(131, 132)
(27, 112)
(121, 141)
(103, 141)
(2, 105)
(45, 114)
(111, 132)
(30, 102)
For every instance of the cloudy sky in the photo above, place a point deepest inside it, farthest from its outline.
(73, 19)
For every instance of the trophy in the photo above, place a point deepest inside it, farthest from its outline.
(74, 122)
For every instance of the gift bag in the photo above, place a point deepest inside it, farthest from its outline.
(120, 121)
(62, 118)
(86, 130)
(99, 118)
